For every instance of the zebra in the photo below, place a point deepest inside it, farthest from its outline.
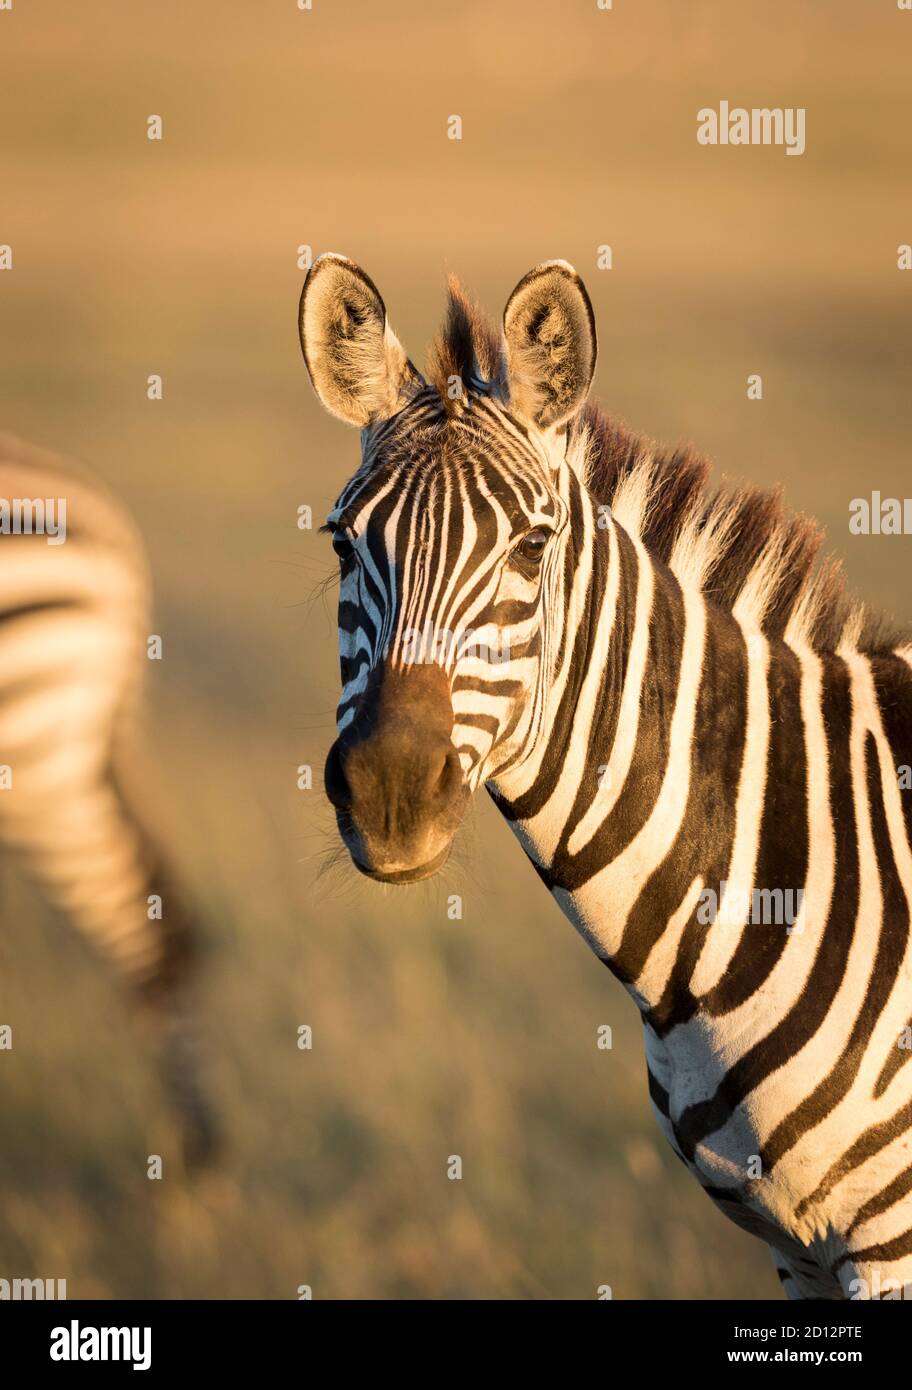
(668, 694)
(74, 623)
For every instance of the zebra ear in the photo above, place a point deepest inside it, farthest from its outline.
(358, 366)
(549, 327)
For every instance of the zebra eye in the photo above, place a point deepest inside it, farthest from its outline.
(532, 546)
(343, 547)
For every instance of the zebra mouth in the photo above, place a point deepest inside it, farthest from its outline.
(404, 875)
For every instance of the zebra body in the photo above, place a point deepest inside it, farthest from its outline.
(667, 697)
(772, 1050)
(74, 623)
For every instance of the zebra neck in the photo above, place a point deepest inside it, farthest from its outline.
(627, 810)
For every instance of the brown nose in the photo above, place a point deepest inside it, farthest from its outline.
(394, 776)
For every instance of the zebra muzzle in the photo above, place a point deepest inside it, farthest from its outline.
(395, 778)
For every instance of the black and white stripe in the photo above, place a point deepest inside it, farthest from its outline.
(688, 703)
(74, 621)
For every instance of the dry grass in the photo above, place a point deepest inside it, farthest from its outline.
(431, 1037)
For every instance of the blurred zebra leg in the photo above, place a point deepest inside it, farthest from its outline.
(74, 623)
(92, 859)
(170, 997)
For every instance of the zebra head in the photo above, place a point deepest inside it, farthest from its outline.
(452, 538)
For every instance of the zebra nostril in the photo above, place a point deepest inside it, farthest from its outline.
(337, 787)
(431, 770)
(450, 773)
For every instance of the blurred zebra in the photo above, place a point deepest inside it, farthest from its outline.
(74, 623)
(697, 737)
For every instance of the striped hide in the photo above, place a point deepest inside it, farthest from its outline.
(74, 623)
(697, 736)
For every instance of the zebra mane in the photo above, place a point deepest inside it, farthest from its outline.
(468, 347)
(738, 543)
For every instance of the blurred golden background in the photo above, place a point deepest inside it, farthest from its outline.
(327, 127)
